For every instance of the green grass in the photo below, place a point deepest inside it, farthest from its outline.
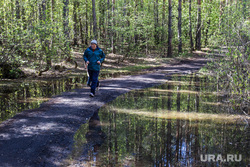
(204, 70)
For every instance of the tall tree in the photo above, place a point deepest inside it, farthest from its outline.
(163, 24)
(108, 24)
(156, 13)
(190, 27)
(102, 19)
(66, 18)
(86, 23)
(23, 17)
(75, 7)
(52, 10)
(113, 24)
(163, 19)
(44, 41)
(221, 11)
(94, 19)
(208, 26)
(81, 29)
(169, 28)
(179, 27)
(198, 30)
(245, 9)
(136, 35)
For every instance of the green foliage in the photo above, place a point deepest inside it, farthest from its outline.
(15, 73)
(37, 34)
(34, 39)
(10, 71)
(233, 69)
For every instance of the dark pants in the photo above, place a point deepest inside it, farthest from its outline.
(93, 78)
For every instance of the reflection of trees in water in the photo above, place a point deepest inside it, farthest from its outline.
(88, 140)
(139, 141)
(197, 100)
(136, 140)
(29, 95)
(95, 136)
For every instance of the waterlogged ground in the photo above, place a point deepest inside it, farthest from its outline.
(171, 124)
(19, 95)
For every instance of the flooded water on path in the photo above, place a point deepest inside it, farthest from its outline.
(169, 125)
(16, 95)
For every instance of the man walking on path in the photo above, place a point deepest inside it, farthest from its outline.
(93, 57)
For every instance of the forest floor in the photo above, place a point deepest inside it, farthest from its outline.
(44, 136)
(114, 64)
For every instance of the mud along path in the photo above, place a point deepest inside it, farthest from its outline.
(44, 136)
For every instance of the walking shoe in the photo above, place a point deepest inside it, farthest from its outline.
(91, 94)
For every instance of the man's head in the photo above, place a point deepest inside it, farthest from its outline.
(93, 44)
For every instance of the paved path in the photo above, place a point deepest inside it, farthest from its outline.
(44, 136)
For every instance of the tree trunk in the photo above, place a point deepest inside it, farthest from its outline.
(17, 9)
(221, 11)
(208, 26)
(163, 25)
(109, 24)
(112, 26)
(52, 20)
(136, 17)
(94, 20)
(198, 30)
(75, 22)
(66, 19)
(124, 14)
(163, 18)
(156, 13)
(169, 28)
(81, 31)
(45, 43)
(244, 9)
(190, 27)
(179, 28)
(86, 23)
(52, 10)
(206, 34)
(23, 16)
(101, 20)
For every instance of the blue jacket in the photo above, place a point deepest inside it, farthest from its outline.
(93, 57)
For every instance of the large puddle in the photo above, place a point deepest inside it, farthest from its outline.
(19, 95)
(181, 123)
(16, 96)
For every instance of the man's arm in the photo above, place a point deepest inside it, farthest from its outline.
(85, 56)
(102, 57)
